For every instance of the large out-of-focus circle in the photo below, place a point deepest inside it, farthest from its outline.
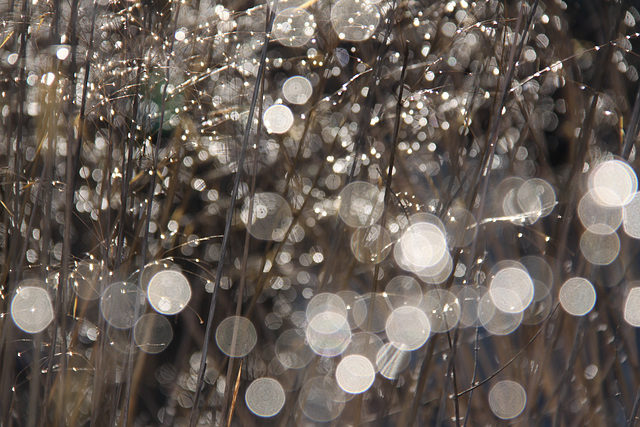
(391, 361)
(361, 204)
(354, 20)
(364, 344)
(325, 302)
(408, 328)
(328, 334)
(278, 119)
(599, 218)
(469, 300)
(236, 336)
(293, 27)
(577, 296)
(511, 289)
(371, 244)
(31, 309)
(613, 182)
(507, 399)
(122, 304)
(442, 309)
(496, 321)
(422, 246)
(292, 350)
(538, 269)
(599, 249)
(152, 333)
(632, 306)
(169, 292)
(297, 89)
(631, 217)
(328, 331)
(355, 374)
(403, 290)
(270, 216)
(265, 397)
(536, 198)
(370, 312)
(321, 399)
(461, 227)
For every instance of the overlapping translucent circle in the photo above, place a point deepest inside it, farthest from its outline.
(442, 309)
(328, 332)
(325, 302)
(536, 198)
(321, 399)
(361, 204)
(631, 217)
(423, 250)
(364, 344)
(371, 244)
(297, 90)
(122, 304)
(541, 305)
(524, 202)
(278, 119)
(31, 309)
(538, 269)
(469, 300)
(599, 249)
(511, 289)
(507, 399)
(292, 349)
(293, 27)
(265, 397)
(496, 321)
(632, 306)
(403, 290)
(391, 361)
(270, 218)
(355, 374)
(577, 296)
(370, 312)
(461, 227)
(408, 328)
(354, 20)
(169, 292)
(613, 182)
(597, 217)
(152, 333)
(236, 336)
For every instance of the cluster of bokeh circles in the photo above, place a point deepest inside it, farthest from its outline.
(122, 304)
(293, 212)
